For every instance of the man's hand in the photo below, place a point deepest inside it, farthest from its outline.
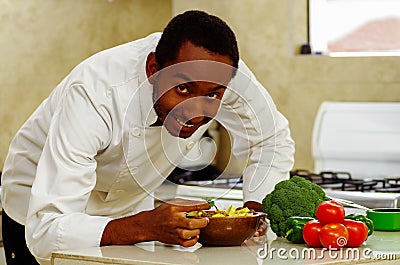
(174, 227)
(166, 223)
(262, 226)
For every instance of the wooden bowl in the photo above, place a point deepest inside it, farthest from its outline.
(229, 231)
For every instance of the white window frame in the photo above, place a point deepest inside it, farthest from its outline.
(320, 26)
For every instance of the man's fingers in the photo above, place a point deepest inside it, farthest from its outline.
(189, 242)
(195, 223)
(202, 206)
(187, 234)
(189, 205)
(262, 227)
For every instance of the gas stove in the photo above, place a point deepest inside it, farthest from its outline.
(208, 176)
(379, 192)
(345, 182)
(361, 138)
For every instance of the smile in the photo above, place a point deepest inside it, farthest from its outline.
(184, 124)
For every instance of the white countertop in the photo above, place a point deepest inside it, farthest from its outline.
(252, 252)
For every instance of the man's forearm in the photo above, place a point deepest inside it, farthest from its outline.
(126, 230)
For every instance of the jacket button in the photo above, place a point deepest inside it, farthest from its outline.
(190, 145)
(135, 131)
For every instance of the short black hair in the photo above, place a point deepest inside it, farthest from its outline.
(201, 29)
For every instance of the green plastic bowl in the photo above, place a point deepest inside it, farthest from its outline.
(385, 219)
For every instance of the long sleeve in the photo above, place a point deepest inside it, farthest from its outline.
(68, 171)
(65, 177)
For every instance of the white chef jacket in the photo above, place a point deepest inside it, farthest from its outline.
(88, 154)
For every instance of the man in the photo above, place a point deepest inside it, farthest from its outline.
(82, 170)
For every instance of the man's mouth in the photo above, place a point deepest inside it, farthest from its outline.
(184, 124)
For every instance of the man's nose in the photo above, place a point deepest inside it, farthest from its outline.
(199, 107)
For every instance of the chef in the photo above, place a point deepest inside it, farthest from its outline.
(82, 169)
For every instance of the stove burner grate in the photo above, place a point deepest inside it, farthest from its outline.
(359, 185)
(344, 181)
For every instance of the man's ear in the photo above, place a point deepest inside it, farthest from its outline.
(151, 67)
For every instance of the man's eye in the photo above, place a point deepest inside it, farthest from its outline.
(182, 89)
(213, 95)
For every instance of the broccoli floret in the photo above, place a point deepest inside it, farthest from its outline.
(293, 197)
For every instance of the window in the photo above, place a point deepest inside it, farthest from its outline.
(355, 27)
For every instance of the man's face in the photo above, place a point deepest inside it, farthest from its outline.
(187, 93)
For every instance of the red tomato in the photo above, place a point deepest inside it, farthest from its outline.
(311, 233)
(358, 232)
(330, 212)
(334, 235)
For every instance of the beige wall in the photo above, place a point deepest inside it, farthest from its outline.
(270, 33)
(41, 40)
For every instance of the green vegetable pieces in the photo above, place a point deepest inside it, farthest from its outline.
(293, 197)
(295, 226)
(364, 219)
